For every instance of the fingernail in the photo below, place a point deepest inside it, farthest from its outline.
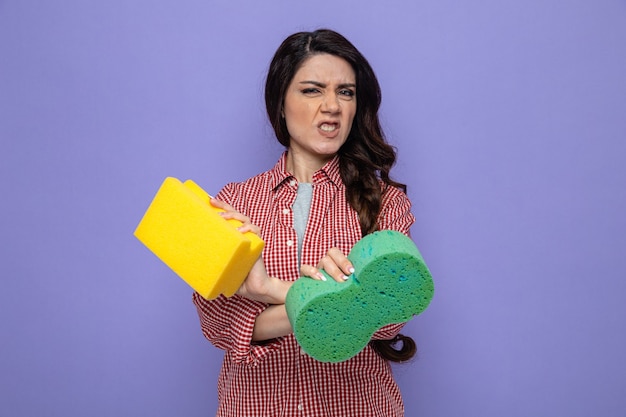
(321, 276)
(345, 278)
(351, 269)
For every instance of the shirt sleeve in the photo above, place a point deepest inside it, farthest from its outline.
(388, 332)
(396, 215)
(228, 324)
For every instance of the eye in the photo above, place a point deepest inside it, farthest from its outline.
(347, 93)
(310, 91)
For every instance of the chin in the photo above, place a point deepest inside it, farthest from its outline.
(331, 149)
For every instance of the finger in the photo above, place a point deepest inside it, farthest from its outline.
(230, 213)
(221, 204)
(235, 215)
(312, 272)
(331, 268)
(341, 261)
(249, 227)
(226, 210)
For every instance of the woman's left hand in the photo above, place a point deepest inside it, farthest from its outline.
(334, 263)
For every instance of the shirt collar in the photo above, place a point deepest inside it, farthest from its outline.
(329, 172)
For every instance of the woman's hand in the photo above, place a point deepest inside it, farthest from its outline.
(258, 285)
(334, 263)
(230, 213)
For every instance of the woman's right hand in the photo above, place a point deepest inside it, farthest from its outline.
(258, 285)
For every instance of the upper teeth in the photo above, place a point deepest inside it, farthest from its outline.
(328, 128)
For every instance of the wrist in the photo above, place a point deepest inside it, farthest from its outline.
(277, 291)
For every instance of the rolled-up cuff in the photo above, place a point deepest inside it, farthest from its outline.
(228, 323)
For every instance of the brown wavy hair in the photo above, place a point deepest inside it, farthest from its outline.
(365, 159)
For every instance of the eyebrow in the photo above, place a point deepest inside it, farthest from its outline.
(322, 85)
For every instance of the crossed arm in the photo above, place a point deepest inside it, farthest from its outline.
(259, 286)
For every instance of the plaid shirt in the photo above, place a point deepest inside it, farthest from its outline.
(277, 378)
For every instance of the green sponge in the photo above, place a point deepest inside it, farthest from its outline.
(334, 321)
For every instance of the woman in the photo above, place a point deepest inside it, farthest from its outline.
(329, 188)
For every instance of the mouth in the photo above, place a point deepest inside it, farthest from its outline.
(329, 127)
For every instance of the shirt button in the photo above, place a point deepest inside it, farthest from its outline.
(292, 183)
(300, 407)
(286, 211)
(290, 242)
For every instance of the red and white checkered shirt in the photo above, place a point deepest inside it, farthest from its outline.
(277, 378)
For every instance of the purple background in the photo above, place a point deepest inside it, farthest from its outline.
(510, 119)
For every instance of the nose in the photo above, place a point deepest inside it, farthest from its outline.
(330, 103)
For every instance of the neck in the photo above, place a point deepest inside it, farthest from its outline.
(302, 167)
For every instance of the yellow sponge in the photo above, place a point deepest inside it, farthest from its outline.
(186, 232)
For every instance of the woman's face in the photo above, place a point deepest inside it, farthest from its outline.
(319, 106)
